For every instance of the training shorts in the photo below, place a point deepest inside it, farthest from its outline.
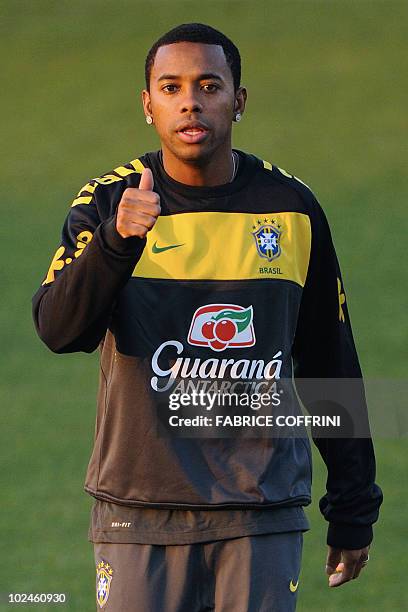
(257, 573)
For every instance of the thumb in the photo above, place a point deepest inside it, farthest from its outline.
(146, 182)
(333, 559)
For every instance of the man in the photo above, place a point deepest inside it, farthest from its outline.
(191, 266)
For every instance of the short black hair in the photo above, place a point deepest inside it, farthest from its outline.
(197, 33)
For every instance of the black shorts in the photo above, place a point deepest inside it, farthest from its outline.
(248, 574)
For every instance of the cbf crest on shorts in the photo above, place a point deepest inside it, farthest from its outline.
(104, 575)
(267, 239)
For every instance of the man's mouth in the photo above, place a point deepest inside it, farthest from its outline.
(192, 134)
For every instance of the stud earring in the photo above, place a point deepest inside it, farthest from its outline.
(238, 117)
(149, 120)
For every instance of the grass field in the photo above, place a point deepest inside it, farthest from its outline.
(327, 84)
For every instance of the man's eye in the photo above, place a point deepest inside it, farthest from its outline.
(210, 87)
(169, 88)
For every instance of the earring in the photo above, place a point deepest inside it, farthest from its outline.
(149, 120)
(238, 117)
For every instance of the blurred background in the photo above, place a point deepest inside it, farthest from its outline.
(327, 86)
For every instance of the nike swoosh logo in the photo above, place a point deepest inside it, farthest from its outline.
(293, 587)
(157, 249)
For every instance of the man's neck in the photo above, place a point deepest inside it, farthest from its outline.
(216, 171)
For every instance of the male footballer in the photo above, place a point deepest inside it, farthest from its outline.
(197, 269)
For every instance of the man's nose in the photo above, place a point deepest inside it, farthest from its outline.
(191, 103)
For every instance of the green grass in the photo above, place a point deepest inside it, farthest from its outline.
(326, 86)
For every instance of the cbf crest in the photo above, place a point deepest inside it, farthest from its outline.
(104, 575)
(267, 237)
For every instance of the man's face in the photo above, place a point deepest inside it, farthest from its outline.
(192, 99)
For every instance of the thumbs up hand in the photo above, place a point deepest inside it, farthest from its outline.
(138, 208)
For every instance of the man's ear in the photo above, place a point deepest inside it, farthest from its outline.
(240, 100)
(147, 103)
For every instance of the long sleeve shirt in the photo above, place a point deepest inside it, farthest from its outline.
(233, 283)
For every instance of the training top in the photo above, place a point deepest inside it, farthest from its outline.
(234, 283)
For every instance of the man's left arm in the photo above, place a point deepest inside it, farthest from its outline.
(324, 349)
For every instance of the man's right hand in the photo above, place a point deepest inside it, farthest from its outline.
(138, 208)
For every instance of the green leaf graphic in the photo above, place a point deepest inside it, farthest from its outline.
(241, 318)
